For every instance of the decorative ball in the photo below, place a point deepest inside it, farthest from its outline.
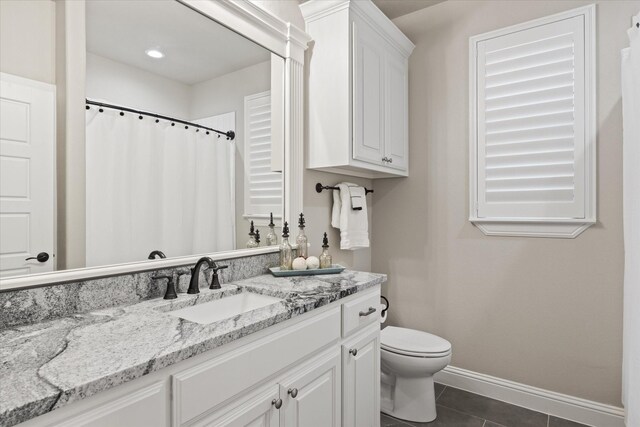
(313, 262)
(299, 264)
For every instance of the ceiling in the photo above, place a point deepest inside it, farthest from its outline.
(395, 8)
(196, 48)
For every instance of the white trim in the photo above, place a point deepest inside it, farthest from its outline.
(540, 227)
(548, 402)
(80, 274)
(284, 39)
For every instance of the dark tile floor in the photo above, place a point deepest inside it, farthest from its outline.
(463, 409)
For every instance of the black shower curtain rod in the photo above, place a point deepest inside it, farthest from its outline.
(229, 134)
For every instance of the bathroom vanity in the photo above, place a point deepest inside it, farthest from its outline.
(304, 351)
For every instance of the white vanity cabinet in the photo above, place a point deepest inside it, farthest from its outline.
(320, 369)
(358, 90)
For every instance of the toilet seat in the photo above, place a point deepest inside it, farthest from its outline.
(410, 342)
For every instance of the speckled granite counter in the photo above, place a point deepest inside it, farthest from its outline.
(47, 365)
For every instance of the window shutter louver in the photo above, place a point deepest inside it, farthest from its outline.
(531, 122)
(263, 187)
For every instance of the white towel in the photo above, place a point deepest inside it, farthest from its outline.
(353, 224)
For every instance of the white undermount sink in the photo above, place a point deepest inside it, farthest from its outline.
(224, 308)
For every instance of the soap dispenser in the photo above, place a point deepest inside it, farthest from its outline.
(325, 258)
(252, 237)
(301, 241)
(286, 252)
(271, 238)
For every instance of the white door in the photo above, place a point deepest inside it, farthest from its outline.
(361, 379)
(396, 112)
(27, 182)
(312, 398)
(368, 102)
(259, 409)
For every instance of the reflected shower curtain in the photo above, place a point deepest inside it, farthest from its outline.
(155, 186)
(631, 212)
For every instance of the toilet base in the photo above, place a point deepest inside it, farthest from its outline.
(413, 399)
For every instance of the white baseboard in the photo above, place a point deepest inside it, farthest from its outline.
(545, 401)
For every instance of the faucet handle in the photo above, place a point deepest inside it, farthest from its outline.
(170, 293)
(215, 281)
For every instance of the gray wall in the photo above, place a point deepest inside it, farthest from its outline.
(544, 312)
(27, 39)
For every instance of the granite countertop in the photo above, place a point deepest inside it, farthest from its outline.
(47, 365)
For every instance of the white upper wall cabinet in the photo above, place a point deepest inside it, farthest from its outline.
(532, 127)
(358, 90)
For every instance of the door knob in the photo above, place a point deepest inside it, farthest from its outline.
(293, 392)
(41, 257)
(277, 403)
(353, 351)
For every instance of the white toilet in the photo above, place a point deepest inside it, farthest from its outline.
(409, 359)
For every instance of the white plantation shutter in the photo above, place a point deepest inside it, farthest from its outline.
(263, 188)
(532, 120)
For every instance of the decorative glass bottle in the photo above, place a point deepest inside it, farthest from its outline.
(325, 258)
(252, 237)
(257, 237)
(301, 241)
(286, 252)
(272, 238)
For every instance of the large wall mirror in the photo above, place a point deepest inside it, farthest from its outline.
(184, 137)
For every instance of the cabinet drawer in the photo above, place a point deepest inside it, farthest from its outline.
(360, 312)
(202, 388)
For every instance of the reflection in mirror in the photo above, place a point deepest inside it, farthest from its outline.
(183, 144)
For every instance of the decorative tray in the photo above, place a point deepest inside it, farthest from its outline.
(334, 269)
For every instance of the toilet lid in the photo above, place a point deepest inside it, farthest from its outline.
(403, 340)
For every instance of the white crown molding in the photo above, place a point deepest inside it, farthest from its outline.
(313, 10)
(548, 402)
(284, 39)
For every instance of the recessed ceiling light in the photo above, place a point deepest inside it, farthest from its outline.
(154, 53)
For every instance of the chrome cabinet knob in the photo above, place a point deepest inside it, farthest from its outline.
(353, 351)
(293, 392)
(277, 403)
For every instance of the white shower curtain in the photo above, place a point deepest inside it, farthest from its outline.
(155, 186)
(631, 212)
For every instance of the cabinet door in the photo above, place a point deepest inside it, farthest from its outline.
(396, 112)
(368, 102)
(361, 379)
(255, 410)
(145, 407)
(312, 397)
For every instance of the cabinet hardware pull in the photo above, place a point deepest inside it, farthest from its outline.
(353, 351)
(368, 312)
(277, 403)
(293, 392)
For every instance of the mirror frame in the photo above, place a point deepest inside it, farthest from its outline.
(274, 34)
